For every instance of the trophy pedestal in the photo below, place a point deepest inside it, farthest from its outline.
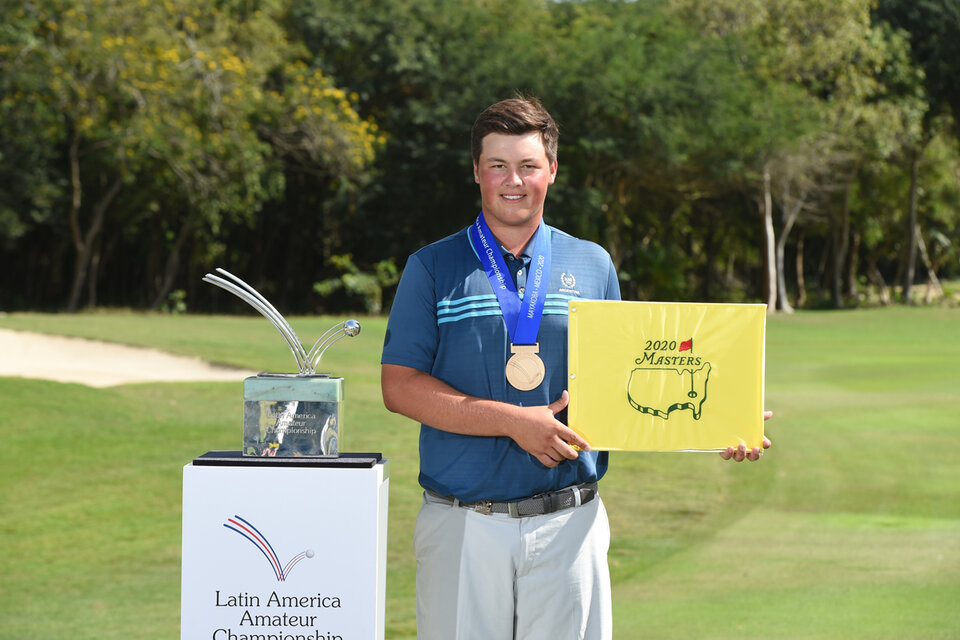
(284, 546)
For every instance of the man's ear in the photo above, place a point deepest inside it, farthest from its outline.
(553, 171)
(476, 174)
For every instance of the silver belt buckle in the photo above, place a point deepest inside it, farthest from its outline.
(485, 507)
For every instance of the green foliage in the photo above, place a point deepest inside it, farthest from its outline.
(367, 286)
(199, 107)
(933, 29)
(150, 140)
(187, 95)
(940, 205)
(176, 302)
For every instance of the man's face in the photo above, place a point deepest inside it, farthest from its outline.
(513, 173)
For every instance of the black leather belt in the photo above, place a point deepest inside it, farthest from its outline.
(538, 505)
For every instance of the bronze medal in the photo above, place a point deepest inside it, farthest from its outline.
(525, 370)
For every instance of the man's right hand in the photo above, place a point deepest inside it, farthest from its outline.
(539, 433)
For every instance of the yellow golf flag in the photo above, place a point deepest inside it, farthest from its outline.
(666, 376)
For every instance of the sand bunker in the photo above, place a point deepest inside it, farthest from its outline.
(99, 364)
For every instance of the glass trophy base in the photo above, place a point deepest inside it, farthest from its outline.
(291, 415)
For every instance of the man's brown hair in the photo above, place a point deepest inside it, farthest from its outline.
(515, 116)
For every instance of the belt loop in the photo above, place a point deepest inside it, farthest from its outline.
(576, 496)
(555, 502)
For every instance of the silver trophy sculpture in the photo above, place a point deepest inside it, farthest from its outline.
(290, 414)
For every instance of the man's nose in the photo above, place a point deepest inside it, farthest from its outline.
(513, 177)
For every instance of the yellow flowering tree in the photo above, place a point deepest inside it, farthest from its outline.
(192, 108)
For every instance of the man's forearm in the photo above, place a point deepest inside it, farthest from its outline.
(426, 399)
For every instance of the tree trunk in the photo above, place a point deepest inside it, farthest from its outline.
(93, 273)
(911, 254)
(825, 255)
(877, 278)
(933, 282)
(710, 256)
(769, 244)
(81, 259)
(841, 236)
(173, 265)
(729, 271)
(801, 284)
(853, 264)
(791, 211)
(84, 242)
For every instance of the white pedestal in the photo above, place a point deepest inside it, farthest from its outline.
(284, 549)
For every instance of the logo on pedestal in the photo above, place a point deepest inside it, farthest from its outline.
(250, 532)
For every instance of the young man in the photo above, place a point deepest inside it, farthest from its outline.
(512, 537)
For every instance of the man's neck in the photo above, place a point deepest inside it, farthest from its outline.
(514, 239)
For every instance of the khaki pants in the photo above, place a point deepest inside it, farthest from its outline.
(493, 576)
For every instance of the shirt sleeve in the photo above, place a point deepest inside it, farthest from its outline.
(613, 282)
(412, 334)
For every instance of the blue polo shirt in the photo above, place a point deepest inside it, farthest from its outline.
(446, 321)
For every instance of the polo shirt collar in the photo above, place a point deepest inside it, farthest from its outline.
(526, 254)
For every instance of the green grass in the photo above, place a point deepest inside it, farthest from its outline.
(848, 528)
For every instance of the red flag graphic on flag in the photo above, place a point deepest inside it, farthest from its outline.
(687, 345)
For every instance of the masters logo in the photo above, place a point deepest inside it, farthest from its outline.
(668, 379)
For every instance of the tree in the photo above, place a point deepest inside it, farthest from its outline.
(834, 52)
(702, 143)
(195, 106)
(933, 29)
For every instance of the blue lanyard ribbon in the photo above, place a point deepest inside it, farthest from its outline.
(521, 317)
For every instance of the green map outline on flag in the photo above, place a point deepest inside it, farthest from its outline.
(697, 396)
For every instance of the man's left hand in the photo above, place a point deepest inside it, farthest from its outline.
(739, 454)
